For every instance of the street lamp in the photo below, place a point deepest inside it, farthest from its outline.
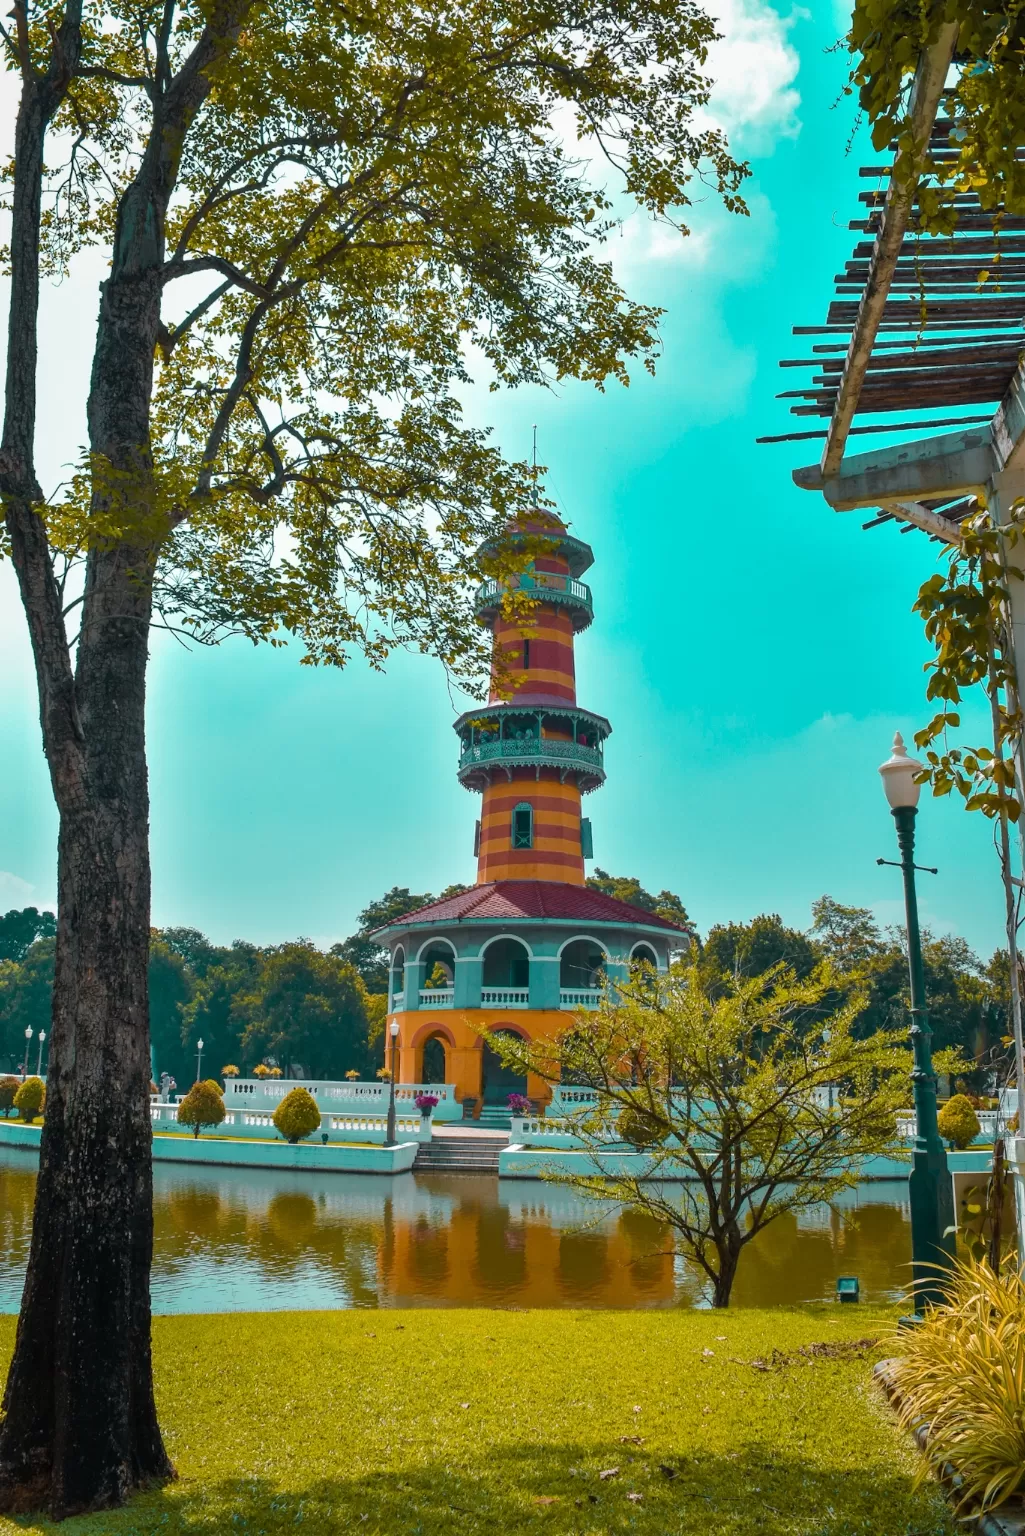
(24, 1065)
(199, 1057)
(389, 1139)
(39, 1058)
(929, 1187)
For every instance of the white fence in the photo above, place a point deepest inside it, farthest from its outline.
(262, 1093)
(992, 1123)
(334, 1126)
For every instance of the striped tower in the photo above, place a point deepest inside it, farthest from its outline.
(534, 754)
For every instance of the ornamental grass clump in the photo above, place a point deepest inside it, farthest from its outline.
(962, 1372)
(958, 1122)
(202, 1105)
(8, 1088)
(297, 1116)
(30, 1099)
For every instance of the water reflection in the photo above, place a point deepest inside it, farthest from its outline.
(228, 1240)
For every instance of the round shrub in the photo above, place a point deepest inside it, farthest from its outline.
(202, 1105)
(8, 1088)
(297, 1116)
(958, 1122)
(30, 1098)
(637, 1127)
(212, 1083)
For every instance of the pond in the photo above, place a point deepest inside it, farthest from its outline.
(233, 1240)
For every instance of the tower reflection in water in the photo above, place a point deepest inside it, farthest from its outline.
(233, 1240)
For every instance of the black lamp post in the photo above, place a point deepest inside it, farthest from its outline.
(393, 1032)
(929, 1186)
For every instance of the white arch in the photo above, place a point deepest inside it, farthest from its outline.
(589, 939)
(396, 963)
(429, 944)
(646, 944)
(494, 940)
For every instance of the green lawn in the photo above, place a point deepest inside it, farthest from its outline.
(418, 1423)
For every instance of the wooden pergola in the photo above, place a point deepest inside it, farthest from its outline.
(922, 324)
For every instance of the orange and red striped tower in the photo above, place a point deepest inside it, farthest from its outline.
(533, 754)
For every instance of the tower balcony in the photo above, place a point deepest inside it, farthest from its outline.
(546, 587)
(503, 737)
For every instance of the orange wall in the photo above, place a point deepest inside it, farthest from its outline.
(556, 852)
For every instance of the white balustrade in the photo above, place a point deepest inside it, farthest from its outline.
(436, 997)
(579, 997)
(992, 1123)
(258, 1094)
(505, 997)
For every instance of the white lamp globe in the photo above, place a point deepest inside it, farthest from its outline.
(199, 1045)
(898, 774)
(394, 1027)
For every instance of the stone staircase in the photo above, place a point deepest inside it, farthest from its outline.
(472, 1153)
(493, 1117)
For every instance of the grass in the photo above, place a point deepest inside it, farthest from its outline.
(453, 1423)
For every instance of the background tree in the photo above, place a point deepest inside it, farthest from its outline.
(724, 1080)
(214, 1013)
(361, 951)
(626, 888)
(170, 985)
(310, 1008)
(751, 949)
(21, 927)
(26, 994)
(309, 217)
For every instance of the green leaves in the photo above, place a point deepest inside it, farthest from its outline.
(361, 206)
(985, 98)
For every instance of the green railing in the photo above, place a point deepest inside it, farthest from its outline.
(532, 750)
(548, 588)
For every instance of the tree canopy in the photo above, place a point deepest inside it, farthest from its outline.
(626, 888)
(732, 1083)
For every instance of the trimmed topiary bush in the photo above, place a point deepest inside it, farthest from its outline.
(202, 1105)
(30, 1098)
(215, 1085)
(297, 1116)
(958, 1122)
(8, 1088)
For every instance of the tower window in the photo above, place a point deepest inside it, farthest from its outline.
(586, 840)
(523, 826)
(526, 655)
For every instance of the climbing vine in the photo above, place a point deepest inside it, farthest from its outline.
(986, 97)
(965, 613)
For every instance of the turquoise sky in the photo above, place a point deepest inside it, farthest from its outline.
(753, 650)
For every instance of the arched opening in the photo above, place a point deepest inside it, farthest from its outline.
(397, 974)
(498, 1080)
(439, 963)
(433, 1069)
(506, 964)
(582, 965)
(643, 954)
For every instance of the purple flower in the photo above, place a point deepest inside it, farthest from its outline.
(518, 1105)
(426, 1102)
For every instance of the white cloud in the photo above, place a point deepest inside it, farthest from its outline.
(754, 67)
(15, 892)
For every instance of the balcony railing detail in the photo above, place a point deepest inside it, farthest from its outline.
(547, 587)
(436, 997)
(579, 997)
(567, 756)
(505, 997)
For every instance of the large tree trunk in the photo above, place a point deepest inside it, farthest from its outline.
(81, 1430)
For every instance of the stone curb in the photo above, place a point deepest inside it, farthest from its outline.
(1008, 1521)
